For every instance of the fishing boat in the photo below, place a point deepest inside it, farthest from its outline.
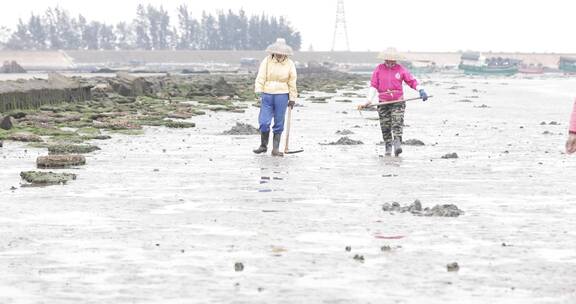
(474, 63)
(531, 69)
(567, 65)
(420, 66)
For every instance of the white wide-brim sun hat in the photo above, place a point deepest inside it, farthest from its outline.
(280, 47)
(390, 54)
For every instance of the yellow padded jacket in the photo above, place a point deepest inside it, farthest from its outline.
(277, 77)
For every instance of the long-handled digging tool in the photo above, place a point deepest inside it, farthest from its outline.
(362, 107)
(286, 151)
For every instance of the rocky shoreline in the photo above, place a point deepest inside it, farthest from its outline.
(127, 103)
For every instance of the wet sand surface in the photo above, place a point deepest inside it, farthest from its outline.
(164, 217)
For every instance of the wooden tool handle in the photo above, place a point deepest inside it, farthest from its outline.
(288, 130)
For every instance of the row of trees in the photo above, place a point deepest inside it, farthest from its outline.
(151, 29)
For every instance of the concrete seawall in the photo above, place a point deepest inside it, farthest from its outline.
(67, 60)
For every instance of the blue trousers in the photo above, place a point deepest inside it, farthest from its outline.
(272, 105)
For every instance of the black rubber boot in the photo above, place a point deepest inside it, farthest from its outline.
(388, 145)
(397, 145)
(264, 137)
(276, 145)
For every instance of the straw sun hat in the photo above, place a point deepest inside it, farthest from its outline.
(390, 54)
(280, 47)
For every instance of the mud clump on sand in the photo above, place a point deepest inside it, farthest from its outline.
(453, 267)
(60, 161)
(413, 142)
(450, 156)
(46, 178)
(315, 99)
(238, 267)
(242, 129)
(344, 132)
(344, 141)
(72, 149)
(446, 210)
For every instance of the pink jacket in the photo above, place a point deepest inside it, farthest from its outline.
(573, 119)
(388, 81)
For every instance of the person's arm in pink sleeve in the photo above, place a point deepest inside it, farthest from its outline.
(573, 120)
(410, 80)
(373, 90)
(374, 80)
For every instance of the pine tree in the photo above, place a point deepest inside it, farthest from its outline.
(21, 38)
(184, 28)
(92, 34)
(142, 28)
(125, 38)
(242, 31)
(4, 36)
(107, 37)
(164, 30)
(37, 32)
(151, 29)
(211, 38)
(82, 26)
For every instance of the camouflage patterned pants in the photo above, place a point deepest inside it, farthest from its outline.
(392, 120)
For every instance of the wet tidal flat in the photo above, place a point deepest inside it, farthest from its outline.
(193, 216)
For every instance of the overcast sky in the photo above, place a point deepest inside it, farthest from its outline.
(409, 25)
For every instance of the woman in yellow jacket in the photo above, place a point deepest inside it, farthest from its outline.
(276, 84)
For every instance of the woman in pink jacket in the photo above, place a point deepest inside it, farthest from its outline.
(571, 142)
(386, 83)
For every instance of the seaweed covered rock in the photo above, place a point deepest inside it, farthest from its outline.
(220, 88)
(60, 161)
(71, 149)
(117, 124)
(396, 207)
(223, 88)
(128, 85)
(242, 129)
(179, 124)
(179, 115)
(25, 137)
(6, 123)
(46, 178)
(450, 156)
(445, 210)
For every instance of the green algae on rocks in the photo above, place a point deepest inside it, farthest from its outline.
(46, 178)
(60, 161)
(71, 149)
